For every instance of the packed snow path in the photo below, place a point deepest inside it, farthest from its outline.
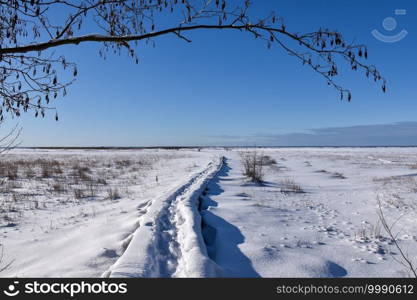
(168, 242)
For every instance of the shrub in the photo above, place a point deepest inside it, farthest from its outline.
(289, 186)
(253, 165)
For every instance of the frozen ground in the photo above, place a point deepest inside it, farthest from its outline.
(78, 220)
(189, 213)
(315, 215)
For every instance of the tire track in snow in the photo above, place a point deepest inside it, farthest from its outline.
(168, 241)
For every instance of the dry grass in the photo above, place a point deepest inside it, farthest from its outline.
(289, 186)
(28, 182)
(252, 166)
(369, 232)
(254, 163)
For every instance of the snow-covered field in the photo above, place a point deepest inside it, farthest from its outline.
(191, 213)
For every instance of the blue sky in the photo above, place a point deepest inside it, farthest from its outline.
(226, 88)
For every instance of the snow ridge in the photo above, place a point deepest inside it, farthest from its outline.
(168, 241)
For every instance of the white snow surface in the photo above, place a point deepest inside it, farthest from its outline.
(191, 213)
(331, 229)
(64, 237)
(168, 242)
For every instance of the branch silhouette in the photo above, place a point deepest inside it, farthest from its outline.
(31, 34)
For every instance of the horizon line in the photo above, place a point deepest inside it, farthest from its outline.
(212, 146)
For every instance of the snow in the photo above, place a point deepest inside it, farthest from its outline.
(64, 237)
(330, 230)
(191, 213)
(168, 242)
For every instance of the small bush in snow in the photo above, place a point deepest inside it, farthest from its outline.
(253, 164)
(289, 186)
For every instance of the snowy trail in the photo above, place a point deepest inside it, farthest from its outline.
(168, 241)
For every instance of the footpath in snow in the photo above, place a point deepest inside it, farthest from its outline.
(168, 242)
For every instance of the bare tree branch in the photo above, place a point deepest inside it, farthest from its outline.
(7, 265)
(10, 140)
(29, 29)
(406, 261)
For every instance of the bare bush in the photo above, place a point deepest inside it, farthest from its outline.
(253, 164)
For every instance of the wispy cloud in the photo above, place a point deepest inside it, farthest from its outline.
(395, 134)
